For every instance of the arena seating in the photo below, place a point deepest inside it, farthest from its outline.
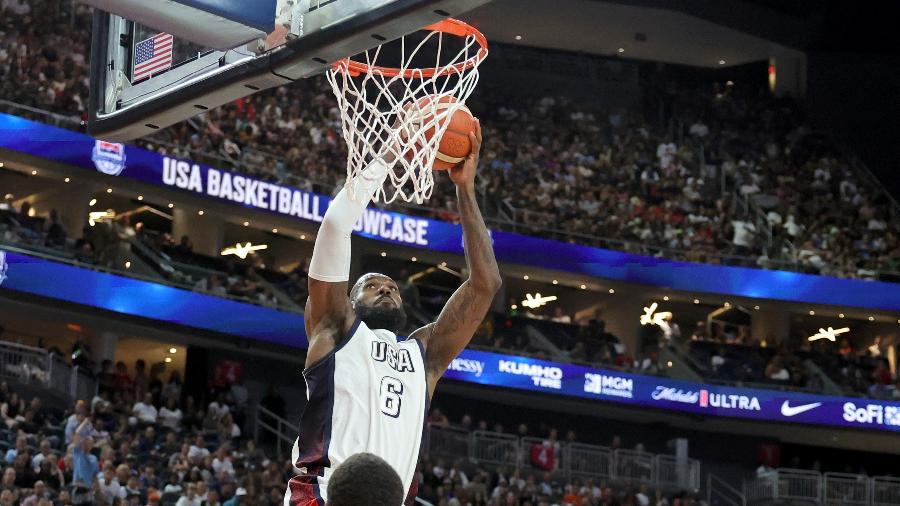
(154, 444)
(739, 181)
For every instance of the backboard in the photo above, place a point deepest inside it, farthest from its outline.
(144, 78)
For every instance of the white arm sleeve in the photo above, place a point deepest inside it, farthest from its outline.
(331, 255)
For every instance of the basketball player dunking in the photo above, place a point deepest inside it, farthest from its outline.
(368, 390)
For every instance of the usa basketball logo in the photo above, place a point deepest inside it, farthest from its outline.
(109, 157)
(3, 266)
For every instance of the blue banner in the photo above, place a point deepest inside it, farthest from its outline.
(134, 297)
(554, 378)
(259, 14)
(117, 160)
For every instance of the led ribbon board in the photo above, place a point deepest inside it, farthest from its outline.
(143, 299)
(522, 373)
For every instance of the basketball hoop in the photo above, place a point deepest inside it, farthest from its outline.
(399, 114)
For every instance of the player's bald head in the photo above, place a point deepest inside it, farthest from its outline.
(376, 300)
(364, 478)
(354, 292)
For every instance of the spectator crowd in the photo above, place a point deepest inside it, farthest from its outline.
(143, 441)
(738, 179)
(727, 353)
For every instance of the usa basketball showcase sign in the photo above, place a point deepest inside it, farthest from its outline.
(79, 150)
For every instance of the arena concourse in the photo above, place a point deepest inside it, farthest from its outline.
(712, 168)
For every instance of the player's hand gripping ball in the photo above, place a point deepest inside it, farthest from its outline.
(455, 145)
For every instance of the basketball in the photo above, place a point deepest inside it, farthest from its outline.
(454, 145)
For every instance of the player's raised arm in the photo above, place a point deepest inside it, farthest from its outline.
(451, 332)
(329, 314)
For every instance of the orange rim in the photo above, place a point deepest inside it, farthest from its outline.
(450, 26)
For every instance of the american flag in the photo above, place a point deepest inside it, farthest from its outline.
(153, 55)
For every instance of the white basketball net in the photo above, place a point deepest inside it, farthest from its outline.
(382, 113)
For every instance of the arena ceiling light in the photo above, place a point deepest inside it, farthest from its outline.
(829, 333)
(92, 202)
(242, 250)
(66, 180)
(200, 212)
(651, 317)
(95, 217)
(537, 300)
(620, 50)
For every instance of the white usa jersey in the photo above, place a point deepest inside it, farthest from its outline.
(369, 394)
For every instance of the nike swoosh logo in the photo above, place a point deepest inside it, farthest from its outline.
(788, 410)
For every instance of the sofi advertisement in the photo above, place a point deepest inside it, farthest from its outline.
(524, 373)
(152, 301)
(118, 160)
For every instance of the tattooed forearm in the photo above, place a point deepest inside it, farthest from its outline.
(467, 307)
(483, 270)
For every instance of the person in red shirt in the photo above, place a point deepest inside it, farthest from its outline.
(882, 373)
(572, 496)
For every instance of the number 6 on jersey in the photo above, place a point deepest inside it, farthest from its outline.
(391, 390)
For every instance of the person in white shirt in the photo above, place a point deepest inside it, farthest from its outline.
(791, 226)
(217, 408)
(666, 154)
(197, 451)
(641, 497)
(877, 224)
(44, 452)
(222, 463)
(698, 129)
(743, 236)
(170, 415)
(560, 317)
(145, 411)
(109, 485)
(189, 497)
(749, 188)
